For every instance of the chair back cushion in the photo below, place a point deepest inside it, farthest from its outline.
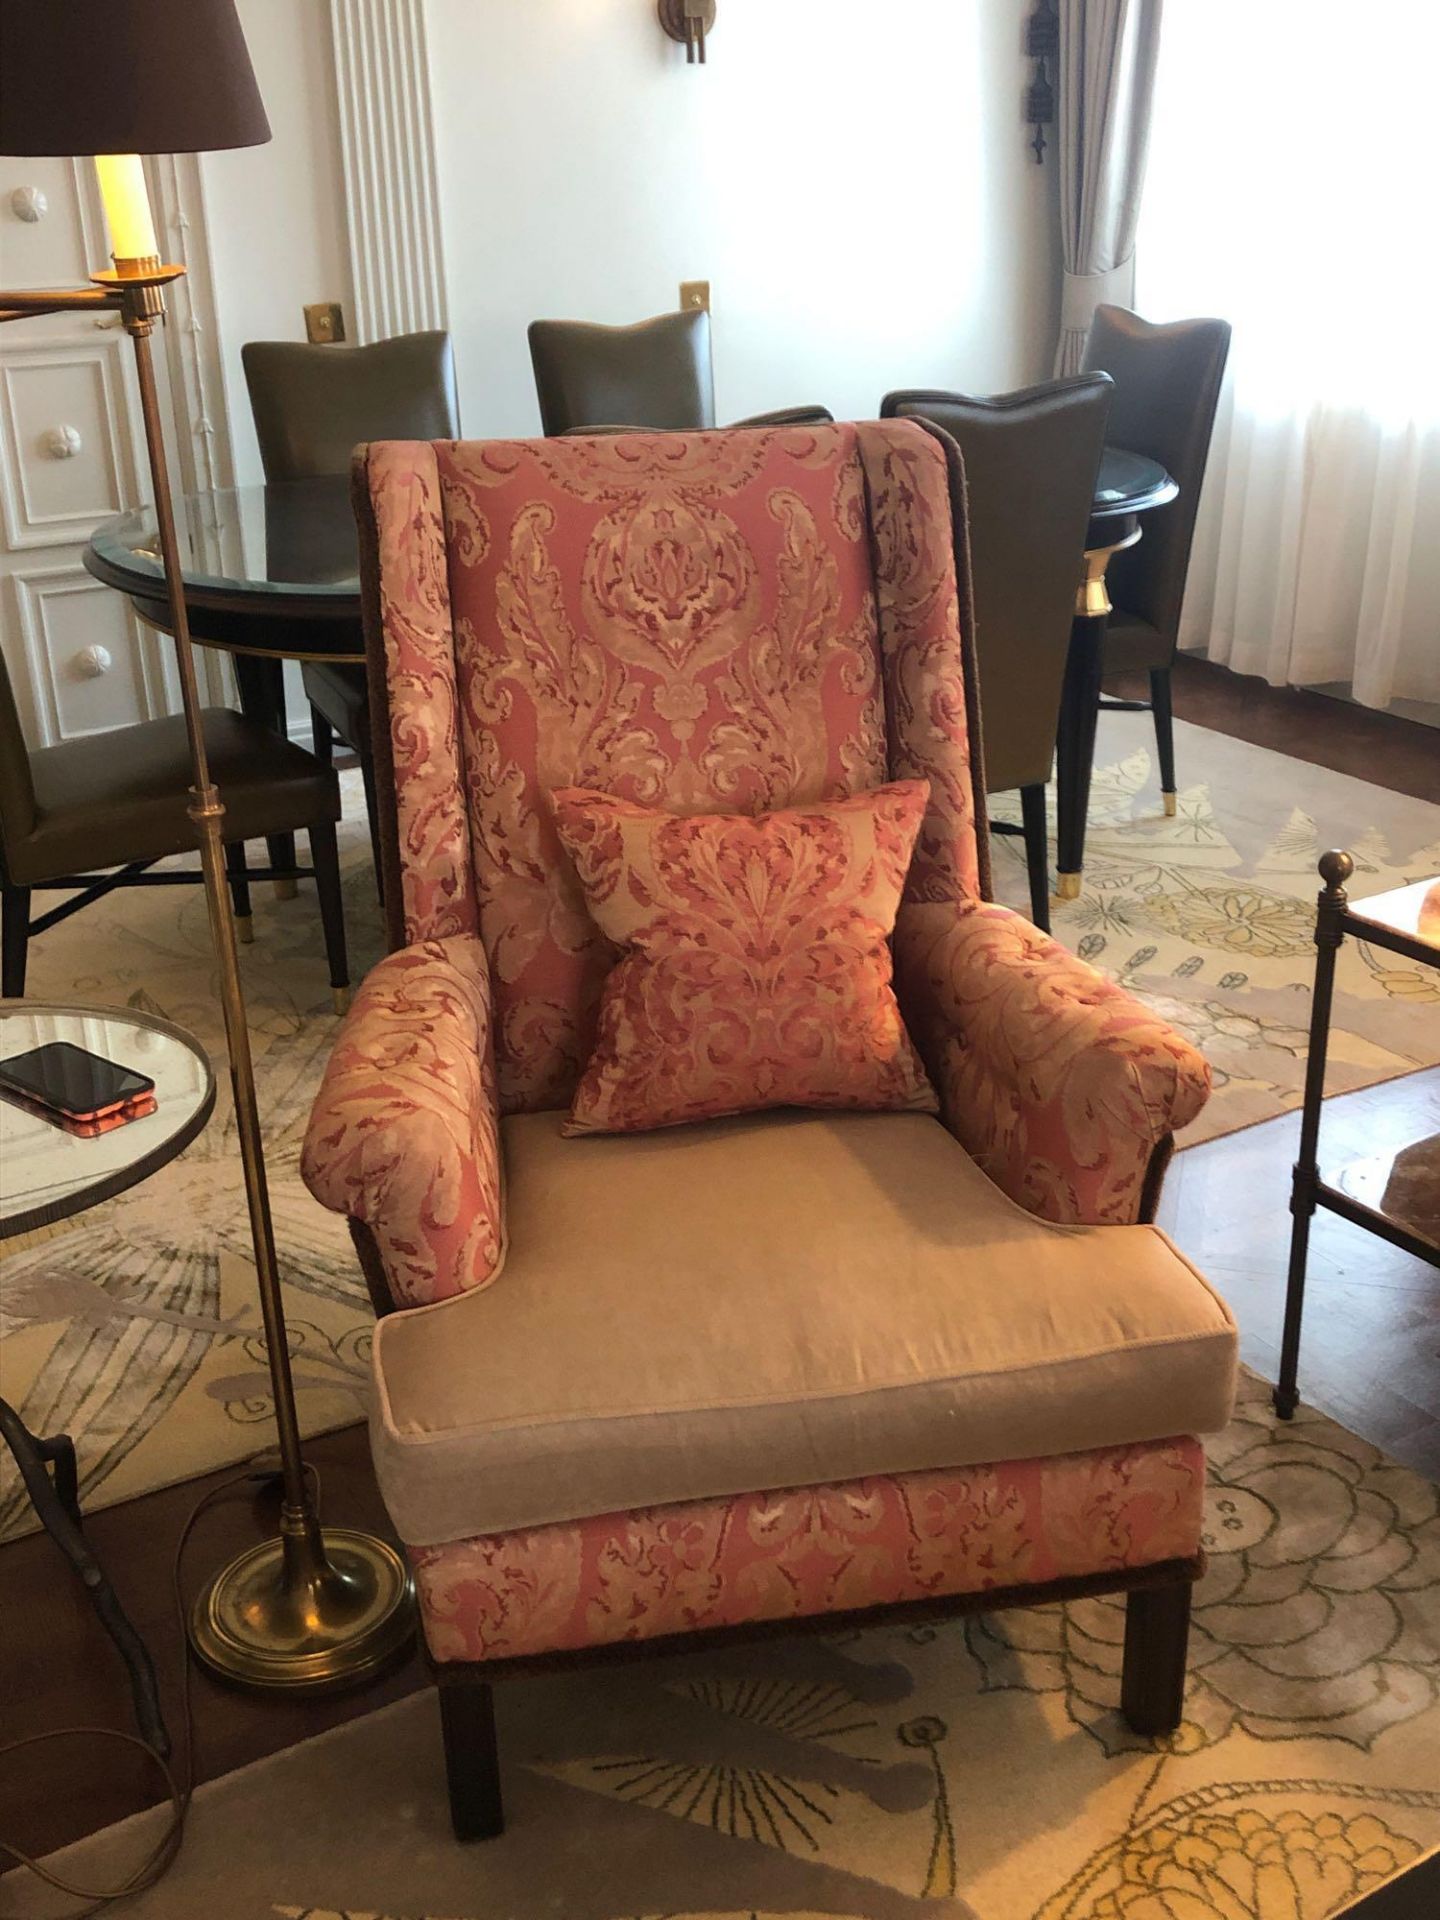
(656, 373)
(711, 623)
(1031, 459)
(1167, 386)
(314, 405)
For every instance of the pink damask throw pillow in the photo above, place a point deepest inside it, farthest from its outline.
(755, 969)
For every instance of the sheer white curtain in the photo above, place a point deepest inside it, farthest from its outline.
(1292, 189)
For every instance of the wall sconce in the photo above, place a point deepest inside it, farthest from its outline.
(1042, 44)
(688, 21)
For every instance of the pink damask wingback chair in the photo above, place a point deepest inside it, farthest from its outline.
(634, 1389)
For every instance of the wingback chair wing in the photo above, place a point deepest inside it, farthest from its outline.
(784, 1369)
(1031, 460)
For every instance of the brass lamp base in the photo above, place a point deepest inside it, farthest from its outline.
(307, 1611)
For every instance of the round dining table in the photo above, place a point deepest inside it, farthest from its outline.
(271, 573)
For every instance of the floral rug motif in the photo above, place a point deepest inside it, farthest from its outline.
(972, 1769)
(136, 1328)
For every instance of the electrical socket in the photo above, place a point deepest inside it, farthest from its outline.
(325, 323)
(695, 296)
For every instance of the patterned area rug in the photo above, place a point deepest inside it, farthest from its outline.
(136, 1329)
(978, 1768)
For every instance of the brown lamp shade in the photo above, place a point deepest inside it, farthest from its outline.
(126, 76)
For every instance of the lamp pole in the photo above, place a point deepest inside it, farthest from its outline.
(313, 1608)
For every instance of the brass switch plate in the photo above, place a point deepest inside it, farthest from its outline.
(325, 323)
(695, 296)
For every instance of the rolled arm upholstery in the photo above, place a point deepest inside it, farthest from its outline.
(404, 1135)
(1059, 1084)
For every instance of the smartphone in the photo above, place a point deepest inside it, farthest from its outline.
(76, 1090)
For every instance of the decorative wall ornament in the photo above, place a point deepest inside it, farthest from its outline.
(387, 143)
(688, 21)
(62, 443)
(29, 204)
(1042, 45)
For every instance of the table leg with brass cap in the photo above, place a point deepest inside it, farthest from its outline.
(1079, 715)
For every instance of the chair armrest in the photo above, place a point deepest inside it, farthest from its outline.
(404, 1133)
(1059, 1084)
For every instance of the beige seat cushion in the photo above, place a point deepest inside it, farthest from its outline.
(776, 1301)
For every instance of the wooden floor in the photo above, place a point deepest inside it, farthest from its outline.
(1371, 1359)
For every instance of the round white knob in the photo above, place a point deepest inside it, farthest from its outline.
(29, 204)
(93, 661)
(63, 443)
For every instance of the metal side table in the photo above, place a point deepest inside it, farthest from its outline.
(1405, 921)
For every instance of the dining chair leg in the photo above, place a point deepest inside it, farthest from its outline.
(1164, 735)
(325, 858)
(239, 872)
(1075, 749)
(372, 813)
(14, 940)
(1037, 854)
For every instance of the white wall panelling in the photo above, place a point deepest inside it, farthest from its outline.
(44, 389)
(65, 618)
(387, 144)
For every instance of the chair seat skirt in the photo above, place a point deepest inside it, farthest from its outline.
(964, 1396)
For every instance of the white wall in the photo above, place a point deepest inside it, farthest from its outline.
(275, 213)
(853, 179)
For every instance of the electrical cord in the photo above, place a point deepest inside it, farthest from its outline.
(180, 1788)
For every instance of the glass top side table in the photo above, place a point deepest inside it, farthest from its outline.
(47, 1174)
(1404, 921)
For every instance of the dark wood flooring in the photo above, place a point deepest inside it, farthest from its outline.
(1371, 1359)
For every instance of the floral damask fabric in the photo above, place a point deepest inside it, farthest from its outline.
(404, 1134)
(708, 622)
(829, 1549)
(1056, 1082)
(919, 608)
(401, 487)
(756, 963)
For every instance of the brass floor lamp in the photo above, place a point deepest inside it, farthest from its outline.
(314, 1607)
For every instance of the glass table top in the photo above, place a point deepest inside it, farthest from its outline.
(1127, 479)
(1413, 910)
(47, 1174)
(295, 537)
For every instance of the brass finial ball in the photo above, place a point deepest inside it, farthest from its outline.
(1336, 867)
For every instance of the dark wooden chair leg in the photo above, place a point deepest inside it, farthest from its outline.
(372, 812)
(325, 857)
(1037, 854)
(472, 1766)
(1157, 1632)
(1163, 710)
(239, 872)
(14, 940)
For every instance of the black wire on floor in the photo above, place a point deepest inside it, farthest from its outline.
(180, 1788)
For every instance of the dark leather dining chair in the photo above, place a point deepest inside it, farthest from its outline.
(118, 800)
(1031, 460)
(1167, 386)
(656, 374)
(313, 405)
